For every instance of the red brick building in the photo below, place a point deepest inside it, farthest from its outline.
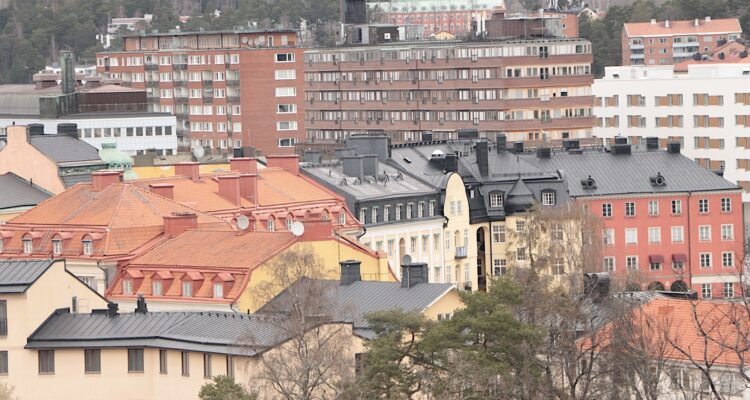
(672, 42)
(229, 90)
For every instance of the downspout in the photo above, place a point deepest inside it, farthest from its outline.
(690, 242)
(442, 246)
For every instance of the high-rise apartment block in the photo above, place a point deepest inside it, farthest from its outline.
(229, 90)
(671, 42)
(530, 89)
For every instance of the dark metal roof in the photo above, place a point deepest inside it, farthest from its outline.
(351, 303)
(70, 180)
(211, 332)
(64, 149)
(18, 275)
(18, 192)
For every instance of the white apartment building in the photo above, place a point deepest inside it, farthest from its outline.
(134, 133)
(707, 109)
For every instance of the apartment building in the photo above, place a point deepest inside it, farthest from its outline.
(671, 42)
(228, 90)
(436, 16)
(706, 109)
(531, 89)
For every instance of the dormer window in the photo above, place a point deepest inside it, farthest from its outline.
(88, 247)
(57, 246)
(1, 245)
(187, 289)
(218, 290)
(28, 245)
(270, 224)
(157, 288)
(496, 200)
(127, 286)
(326, 216)
(342, 218)
(549, 197)
(289, 220)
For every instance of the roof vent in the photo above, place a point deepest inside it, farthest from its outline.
(588, 183)
(140, 305)
(619, 139)
(658, 180)
(437, 154)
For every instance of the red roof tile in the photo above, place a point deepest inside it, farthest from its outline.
(714, 26)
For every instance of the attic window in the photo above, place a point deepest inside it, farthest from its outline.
(658, 180)
(88, 246)
(127, 286)
(57, 246)
(28, 245)
(496, 200)
(588, 183)
(157, 288)
(218, 290)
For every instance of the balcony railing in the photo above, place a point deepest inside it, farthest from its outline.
(461, 252)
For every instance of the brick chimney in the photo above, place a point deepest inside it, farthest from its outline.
(229, 188)
(317, 229)
(188, 169)
(249, 187)
(287, 162)
(244, 164)
(179, 222)
(163, 190)
(102, 179)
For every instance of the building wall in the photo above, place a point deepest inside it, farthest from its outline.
(461, 256)
(164, 171)
(722, 146)
(22, 159)
(446, 305)
(445, 87)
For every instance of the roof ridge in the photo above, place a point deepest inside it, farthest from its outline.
(145, 193)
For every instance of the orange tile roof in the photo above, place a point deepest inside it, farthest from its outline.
(202, 194)
(714, 26)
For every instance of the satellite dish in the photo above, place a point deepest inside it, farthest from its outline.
(243, 222)
(199, 152)
(406, 260)
(298, 228)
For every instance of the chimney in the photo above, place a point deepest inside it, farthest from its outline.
(451, 162)
(501, 141)
(652, 143)
(482, 157)
(666, 23)
(653, 21)
(518, 147)
(346, 152)
(697, 22)
(286, 162)
(370, 165)
(68, 130)
(162, 189)
(350, 272)
(673, 147)
(379, 144)
(188, 169)
(68, 72)
(35, 129)
(140, 305)
(543, 152)
(620, 149)
(413, 274)
(426, 136)
(111, 310)
(244, 164)
(229, 188)
(313, 156)
(249, 187)
(353, 166)
(102, 179)
(179, 222)
(708, 18)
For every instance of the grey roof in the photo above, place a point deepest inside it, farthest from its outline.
(351, 303)
(70, 180)
(211, 332)
(65, 149)
(629, 174)
(17, 192)
(18, 275)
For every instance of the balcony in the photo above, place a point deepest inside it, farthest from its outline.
(462, 252)
(151, 67)
(179, 67)
(233, 98)
(637, 56)
(637, 46)
(179, 82)
(208, 82)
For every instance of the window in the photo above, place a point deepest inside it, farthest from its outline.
(653, 207)
(609, 264)
(631, 262)
(286, 92)
(88, 247)
(654, 235)
(558, 266)
(127, 286)
(655, 266)
(629, 209)
(286, 126)
(431, 210)
(498, 233)
(413, 244)
(187, 289)
(234, 58)
(703, 206)
(496, 200)
(678, 234)
(520, 226)
(678, 265)
(284, 74)
(270, 224)
(606, 210)
(548, 198)
(185, 357)
(705, 260)
(46, 361)
(207, 366)
(135, 360)
(726, 204)
(287, 142)
(727, 259)
(162, 361)
(500, 267)
(28, 245)
(631, 235)
(284, 57)
(156, 287)
(363, 215)
(92, 361)
(409, 208)
(398, 212)
(230, 366)
(218, 290)
(521, 254)
(56, 247)
(286, 108)
(374, 215)
(727, 232)
(704, 233)
(728, 290)
(608, 236)
(676, 207)
(420, 209)
(706, 290)
(3, 363)
(342, 218)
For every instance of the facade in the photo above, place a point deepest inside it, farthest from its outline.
(53, 162)
(18, 195)
(531, 89)
(706, 109)
(402, 213)
(455, 17)
(218, 84)
(671, 42)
